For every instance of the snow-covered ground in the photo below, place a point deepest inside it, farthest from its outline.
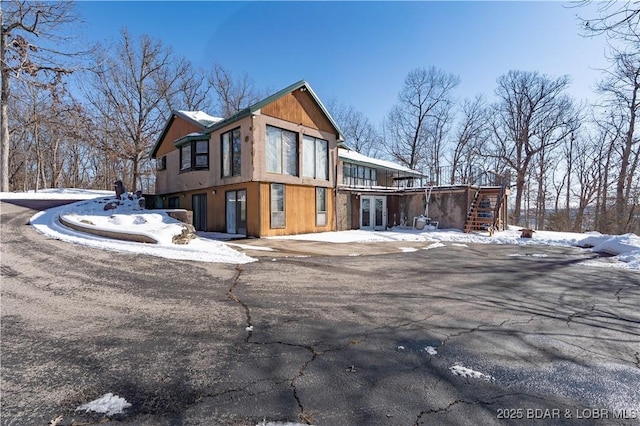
(128, 217)
(56, 194)
(624, 248)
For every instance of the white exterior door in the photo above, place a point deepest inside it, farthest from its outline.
(373, 212)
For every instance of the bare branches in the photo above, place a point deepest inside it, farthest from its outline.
(616, 19)
(234, 94)
(421, 118)
(532, 116)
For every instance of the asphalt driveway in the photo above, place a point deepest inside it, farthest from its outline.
(451, 335)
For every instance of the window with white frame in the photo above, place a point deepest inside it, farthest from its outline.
(231, 153)
(321, 206)
(282, 151)
(277, 205)
(315, 158)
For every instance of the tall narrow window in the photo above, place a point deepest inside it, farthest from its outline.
(282, 151)
(231, 153)
(277, 205)
(321, 206)
(185, 157)
(315, 161)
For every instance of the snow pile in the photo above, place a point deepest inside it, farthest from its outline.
(129, 217)
(459, 370)
(108, 404)
(625, 248)
(125, 216)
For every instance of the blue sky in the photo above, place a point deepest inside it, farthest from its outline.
(360, 52)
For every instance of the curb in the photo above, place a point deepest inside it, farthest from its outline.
(108, 234)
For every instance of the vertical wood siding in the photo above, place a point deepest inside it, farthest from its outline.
(300, 210)
(300, 108)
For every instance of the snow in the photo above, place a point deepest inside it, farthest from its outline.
(129, 218)
(108, 404)
(431, 350)
(624, 248)
(201, 117)
(357, 157)
(459, 370)
(56, 194)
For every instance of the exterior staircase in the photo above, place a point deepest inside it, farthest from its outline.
(485, 210)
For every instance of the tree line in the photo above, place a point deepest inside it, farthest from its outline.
(73, 118)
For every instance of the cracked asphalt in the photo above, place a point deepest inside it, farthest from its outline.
(325, 340)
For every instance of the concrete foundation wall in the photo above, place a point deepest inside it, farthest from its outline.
(448, 208)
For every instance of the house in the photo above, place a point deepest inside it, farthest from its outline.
(267, 170)
(369, 191)
(281, 167)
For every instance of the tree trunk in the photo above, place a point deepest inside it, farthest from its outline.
(4, 116)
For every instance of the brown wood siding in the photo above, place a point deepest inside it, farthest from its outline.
(300, 108)
(177, 129)
(217, 208)
(300, 210)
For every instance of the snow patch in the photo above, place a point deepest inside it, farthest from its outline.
(434, 245)
(407, 249)
(431, 350)
(459, 370)
(108, 404)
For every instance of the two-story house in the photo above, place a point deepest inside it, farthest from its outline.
(268, 170)
(281, 167)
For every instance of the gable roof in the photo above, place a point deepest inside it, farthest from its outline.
(357, 158)
(266, 101)
(198, 118)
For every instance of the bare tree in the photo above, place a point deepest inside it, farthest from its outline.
(616, 19)
(471, 138)
(420, 117)
(621, 88)
(128, 90)
(32, 49)
(359, 133)
(233, 93)
(192, 94)
(532, 116)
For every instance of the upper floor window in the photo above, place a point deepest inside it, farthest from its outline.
(282, 151)
(194, 155)
(356, 175)
(161, 163)
(315, 154)
(231, 153)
